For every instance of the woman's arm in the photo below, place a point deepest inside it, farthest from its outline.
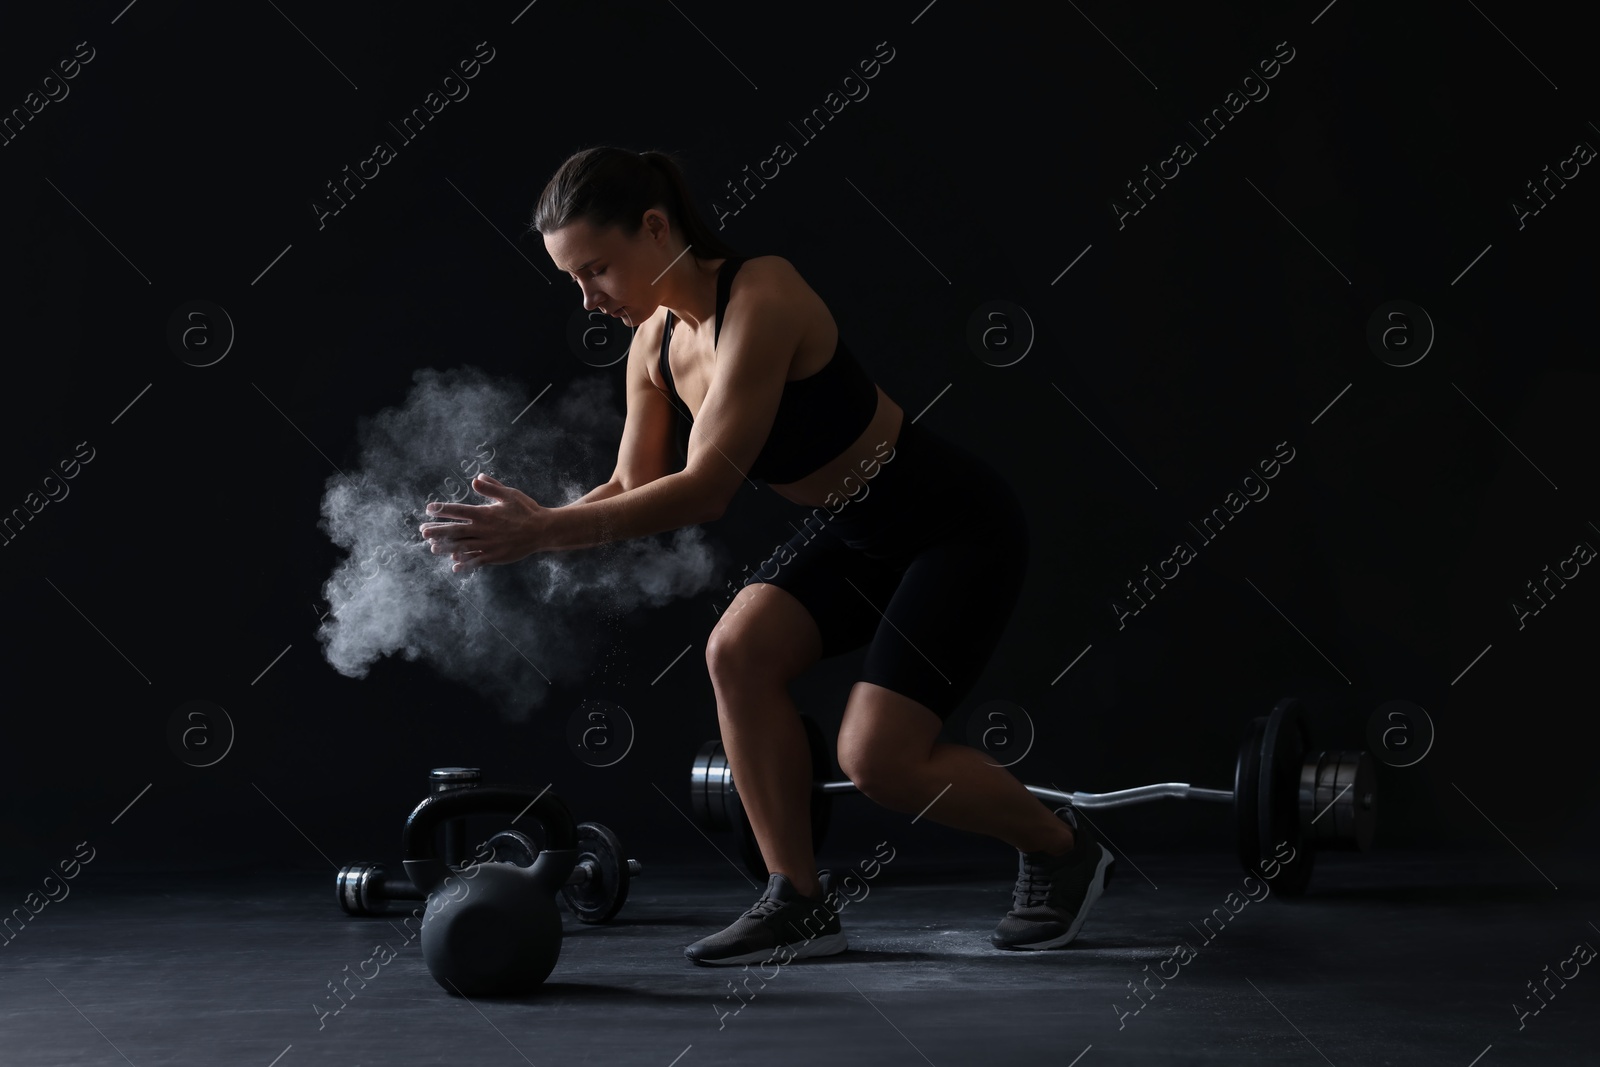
(735, 419)
(730, 429)
(514, 526)
(619, 514)
(599, 492)
(643, 453)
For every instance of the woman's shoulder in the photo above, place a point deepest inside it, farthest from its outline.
(771, 276)
(766, 261)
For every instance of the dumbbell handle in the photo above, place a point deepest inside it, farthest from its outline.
(382, 886)
(1117, 798)
(585, 870)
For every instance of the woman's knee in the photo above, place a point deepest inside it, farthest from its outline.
(879, 770)
(884, 740)
(733, 658)
(766, 637)
(881, 779)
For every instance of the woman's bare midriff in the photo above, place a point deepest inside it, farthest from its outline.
(828, 483)
(691, 375)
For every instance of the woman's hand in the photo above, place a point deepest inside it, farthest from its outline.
(511, 528)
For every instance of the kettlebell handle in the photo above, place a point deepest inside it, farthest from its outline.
(419, 842)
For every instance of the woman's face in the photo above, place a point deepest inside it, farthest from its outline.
(613, 272)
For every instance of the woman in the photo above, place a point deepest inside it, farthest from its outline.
(922, 560)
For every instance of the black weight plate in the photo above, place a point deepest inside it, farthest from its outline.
(1283, 747)
(1246, 776)
(598, 898)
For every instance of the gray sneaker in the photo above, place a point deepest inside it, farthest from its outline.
(782, 924)
(1053, 894)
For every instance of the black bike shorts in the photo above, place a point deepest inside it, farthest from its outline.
(924, 559)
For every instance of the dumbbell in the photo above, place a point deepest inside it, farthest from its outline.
(369, 888)
(598, 885)
(1282, 792)
(364, 888)
(595, 890)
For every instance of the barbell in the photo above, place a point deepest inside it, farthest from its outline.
(1283, 792)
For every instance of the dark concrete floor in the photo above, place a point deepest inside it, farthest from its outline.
(1391, 959)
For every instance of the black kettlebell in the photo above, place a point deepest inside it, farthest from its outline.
(490, 928)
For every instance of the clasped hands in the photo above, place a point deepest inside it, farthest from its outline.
(511, 527)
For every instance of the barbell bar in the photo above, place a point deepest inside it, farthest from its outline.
(1311, 800)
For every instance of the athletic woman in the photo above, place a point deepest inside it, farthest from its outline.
(910, 545)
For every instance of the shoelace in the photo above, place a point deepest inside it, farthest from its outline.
(764, 907)
(1033, 884)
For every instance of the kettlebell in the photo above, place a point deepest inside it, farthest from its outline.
(491, 929)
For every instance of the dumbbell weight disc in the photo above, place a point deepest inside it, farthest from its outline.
(594, 899)
(512, 846)
(369, 888)
(598, 898)
(520, 846)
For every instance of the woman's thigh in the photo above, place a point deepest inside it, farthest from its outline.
(932, 617)
(765, 636)
(836, 585)
(940, 628)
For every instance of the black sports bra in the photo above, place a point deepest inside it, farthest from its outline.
(819, 416)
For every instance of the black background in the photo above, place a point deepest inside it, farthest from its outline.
(1175, 354)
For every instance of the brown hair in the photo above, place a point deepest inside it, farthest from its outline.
(608, 187)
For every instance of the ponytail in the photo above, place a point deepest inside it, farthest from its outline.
(609, 187)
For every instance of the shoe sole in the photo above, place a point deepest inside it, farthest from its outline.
(825, 945)
(1097, 886)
